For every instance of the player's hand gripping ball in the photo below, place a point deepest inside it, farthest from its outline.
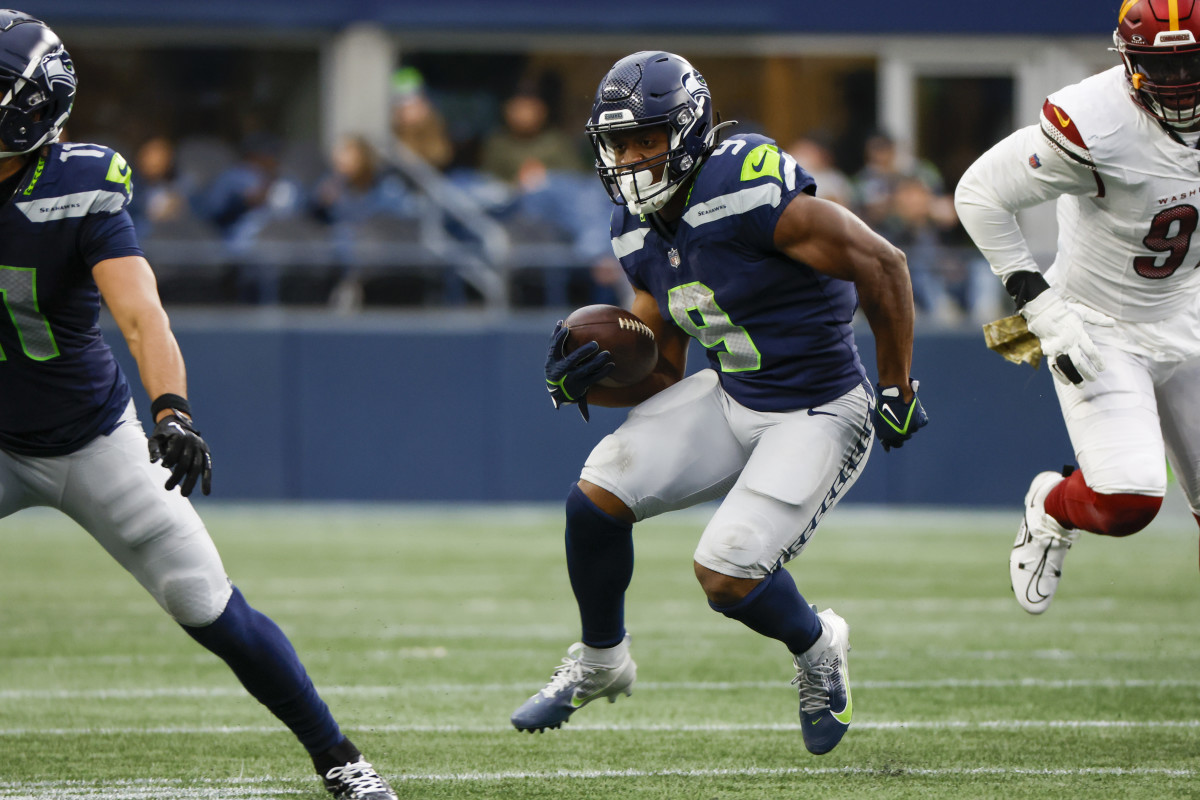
(627, 339)
(597, 345)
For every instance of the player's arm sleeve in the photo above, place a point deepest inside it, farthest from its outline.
(105, 236)
(1023, 170)
(108, 231)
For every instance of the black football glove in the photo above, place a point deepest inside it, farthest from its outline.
(183, 452)
(896, 421)
(569, 376)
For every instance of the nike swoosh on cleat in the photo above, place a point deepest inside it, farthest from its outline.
(843, 716)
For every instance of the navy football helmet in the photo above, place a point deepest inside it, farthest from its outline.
(37, 84)
(647, 89)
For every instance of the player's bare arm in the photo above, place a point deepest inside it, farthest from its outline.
(835, 242)
(131, 293)
(672, 359)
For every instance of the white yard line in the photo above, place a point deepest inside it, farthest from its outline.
(690, 686)
(89, 662)
(239, 788)
(703, 727)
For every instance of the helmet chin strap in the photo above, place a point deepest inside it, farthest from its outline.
(634, 184)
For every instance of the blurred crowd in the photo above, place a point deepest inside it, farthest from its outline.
(283, 222)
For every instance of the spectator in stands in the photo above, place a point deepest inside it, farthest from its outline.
(241, 201)
(950, 281)
(550, 186)
(416, 123)
(243, 197)
(909, 223)
(814, 153)
(884, 168)
(358, 186)
(162, 194)
(904, 199)
(526, 148)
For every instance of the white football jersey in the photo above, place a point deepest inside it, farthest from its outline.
(1128, 202)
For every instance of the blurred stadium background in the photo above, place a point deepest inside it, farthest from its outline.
(375, 336)
(366, 216)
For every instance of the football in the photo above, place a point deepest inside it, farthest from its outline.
(627, 338)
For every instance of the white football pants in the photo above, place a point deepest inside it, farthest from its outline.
(113, 491)
(779, 472)
(1137, 413)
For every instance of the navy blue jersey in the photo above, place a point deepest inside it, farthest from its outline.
(776, 331)
(60, 386)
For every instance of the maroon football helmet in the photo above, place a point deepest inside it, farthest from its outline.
(1159, 41)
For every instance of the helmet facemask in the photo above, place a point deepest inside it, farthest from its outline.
(1168, 85)
(634, 184)
(643, 91)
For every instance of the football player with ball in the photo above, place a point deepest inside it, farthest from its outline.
(724, 242)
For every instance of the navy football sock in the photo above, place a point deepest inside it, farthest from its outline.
(600, 565)
(775, 608)
(265, 662)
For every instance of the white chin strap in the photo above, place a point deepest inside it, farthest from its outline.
(640, 183)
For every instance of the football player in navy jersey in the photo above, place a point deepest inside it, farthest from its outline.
(69, 435)
(727, 244)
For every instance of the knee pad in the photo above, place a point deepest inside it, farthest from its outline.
(1124, 514)
(192, 598)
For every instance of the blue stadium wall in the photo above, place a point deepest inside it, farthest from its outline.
(445, 412)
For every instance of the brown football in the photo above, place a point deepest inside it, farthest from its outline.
(618, 331)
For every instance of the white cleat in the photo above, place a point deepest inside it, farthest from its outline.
(823, 679)
(1035, 564)
(575, 684)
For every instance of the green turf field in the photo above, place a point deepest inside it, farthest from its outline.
(424, 630)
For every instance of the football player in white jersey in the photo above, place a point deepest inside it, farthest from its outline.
(1118, 312)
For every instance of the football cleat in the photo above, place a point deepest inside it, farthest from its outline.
(1035, 564)
(574, 685)
(357, 780)
(823, 679)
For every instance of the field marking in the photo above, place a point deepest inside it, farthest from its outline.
(644, 727)
(439, 652)
(237, 788)
(691, 686)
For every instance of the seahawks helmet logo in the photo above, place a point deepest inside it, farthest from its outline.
(59, 71)
(696, 86)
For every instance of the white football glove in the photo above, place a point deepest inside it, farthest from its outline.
(1059, 326)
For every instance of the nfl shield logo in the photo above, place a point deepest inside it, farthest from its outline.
(673, 257)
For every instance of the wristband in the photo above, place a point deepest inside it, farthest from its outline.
(170, 401)
(1025, 285)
